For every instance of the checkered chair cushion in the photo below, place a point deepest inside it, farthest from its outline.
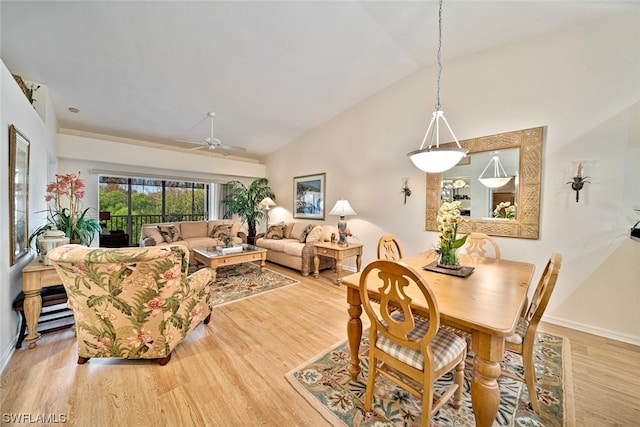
(521, 330)
(445, 345)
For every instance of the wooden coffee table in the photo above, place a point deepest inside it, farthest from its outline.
(212, 257)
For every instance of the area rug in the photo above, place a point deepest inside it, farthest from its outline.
(326, 384)
(244, 280)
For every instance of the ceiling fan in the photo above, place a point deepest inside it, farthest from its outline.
(213, 143)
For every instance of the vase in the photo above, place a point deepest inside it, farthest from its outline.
(449, 259)
(49, 240)
(342, 232)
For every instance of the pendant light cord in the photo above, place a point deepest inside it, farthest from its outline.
(439, 56)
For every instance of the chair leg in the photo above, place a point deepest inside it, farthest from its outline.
(458, 378)
(83, 360)
(165, 360)
(427, 407)
(371, 380)
(530, 373)
(207, 319)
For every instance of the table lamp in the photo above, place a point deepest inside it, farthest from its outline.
(342, 208)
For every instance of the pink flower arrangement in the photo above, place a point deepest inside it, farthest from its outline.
(69, 188)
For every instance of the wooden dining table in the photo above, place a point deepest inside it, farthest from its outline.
(486, 304)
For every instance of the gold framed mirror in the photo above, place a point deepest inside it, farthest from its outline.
(526, 224)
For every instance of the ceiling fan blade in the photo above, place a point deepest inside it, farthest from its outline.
(232, 148)
(196, 148)
(189, 142)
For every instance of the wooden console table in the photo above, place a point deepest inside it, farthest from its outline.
(338, 253)
(36, 276)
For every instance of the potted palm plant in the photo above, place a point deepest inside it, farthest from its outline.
(245, 202)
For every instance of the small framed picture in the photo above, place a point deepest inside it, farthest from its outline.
(309, 196)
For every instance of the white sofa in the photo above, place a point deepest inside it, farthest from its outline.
(293, 248)
(192, 234)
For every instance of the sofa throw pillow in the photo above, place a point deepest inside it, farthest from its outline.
(221, 231)
(305, 233)
(314, 235)
(170, 233)
(275, 232)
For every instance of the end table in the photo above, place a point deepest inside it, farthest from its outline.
(338, 253)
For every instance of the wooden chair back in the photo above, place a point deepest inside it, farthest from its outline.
(524, 340)
(389, 248)
(476, 245)
(542, 294)
(392, 281)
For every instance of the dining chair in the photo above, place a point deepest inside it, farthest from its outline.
(476, 243)
(409, 347)
(523, 340)
(389, 248)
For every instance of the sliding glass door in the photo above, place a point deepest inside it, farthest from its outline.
(128, 203)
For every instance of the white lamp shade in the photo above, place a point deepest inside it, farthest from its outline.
(436, 160)
(495, 182)
(499, 177)
(267, 202)
(342, 208)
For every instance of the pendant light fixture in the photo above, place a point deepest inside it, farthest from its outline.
(434, 159)
(499, 177)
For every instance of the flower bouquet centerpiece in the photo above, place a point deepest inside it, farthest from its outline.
(505, 210)
(65, 213)
(448, 220)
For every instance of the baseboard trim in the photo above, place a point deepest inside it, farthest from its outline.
(6, 356)
(606, 333)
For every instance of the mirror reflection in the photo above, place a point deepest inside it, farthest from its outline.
(477, 200)
(485, 203)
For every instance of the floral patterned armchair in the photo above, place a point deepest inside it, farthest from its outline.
(133, 303)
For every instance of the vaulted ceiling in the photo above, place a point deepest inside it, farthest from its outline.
(270, 70)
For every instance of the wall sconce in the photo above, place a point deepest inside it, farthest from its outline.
(405, 189)
(578, 182)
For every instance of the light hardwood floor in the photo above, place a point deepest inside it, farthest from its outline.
(231, 372)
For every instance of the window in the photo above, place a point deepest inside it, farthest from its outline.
(133, 202)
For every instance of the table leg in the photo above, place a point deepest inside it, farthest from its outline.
(485, 391)
(316, 263)
(354, 331)
(339, 271)
(358, 261)
(32, 307)
(263, 263)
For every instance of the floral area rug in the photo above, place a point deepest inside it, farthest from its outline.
(244, 280)
(326, 384)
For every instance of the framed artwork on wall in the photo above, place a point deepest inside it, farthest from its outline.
(309, 196)
(18, 194)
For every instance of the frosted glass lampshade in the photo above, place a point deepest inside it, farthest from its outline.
(436, 160)
(495, 182)
(499, 177)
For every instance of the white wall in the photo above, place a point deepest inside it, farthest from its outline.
(15, 109)
(583, 84)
